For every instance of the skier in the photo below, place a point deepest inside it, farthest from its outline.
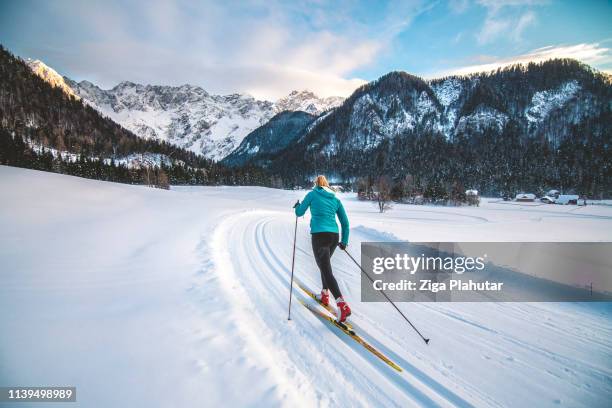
(324, 207)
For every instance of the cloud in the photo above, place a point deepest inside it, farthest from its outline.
(506, 19)
(492, 29)
(525, 20)
(496, 5)
(267, 48)
(593, 54)
(457, 38)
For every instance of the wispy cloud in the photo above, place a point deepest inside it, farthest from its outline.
(525, 20)
(270, 47)
(506, 19)
(593, 54)
(266, 48)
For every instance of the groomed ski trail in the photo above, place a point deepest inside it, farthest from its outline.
(251, 252)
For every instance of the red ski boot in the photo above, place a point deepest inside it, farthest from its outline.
(344, 310)
(323, 298)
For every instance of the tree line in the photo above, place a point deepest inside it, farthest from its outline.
(38, 120)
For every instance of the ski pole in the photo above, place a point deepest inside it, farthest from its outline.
(390, 301)
(292, 267)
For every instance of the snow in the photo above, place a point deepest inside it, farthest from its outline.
(544, 102)
(131, 161)
(184, 116)
(50, 75)
(566, 198)
(482, 118)
(307, 101)
(146, 297)
(525, 196)
(332, 146)
(315, 123)
(253, 149)
(187, 115)
(371, 122)
(447, 91)
(425, 105)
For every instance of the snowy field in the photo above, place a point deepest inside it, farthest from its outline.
(143, 297)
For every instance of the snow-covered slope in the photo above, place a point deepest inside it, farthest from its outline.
(543, 102)
(190, 117)
(50, 75)
(136, 290)
(307, 101)
(186, 116)
(280, 131)
(407, 123)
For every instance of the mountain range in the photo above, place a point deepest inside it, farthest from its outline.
(520, 127)
(186, 116)
(44, 127)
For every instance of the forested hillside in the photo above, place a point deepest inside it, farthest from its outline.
(44, 128)
(281, 131)
(520, 128)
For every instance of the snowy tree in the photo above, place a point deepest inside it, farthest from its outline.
(383, 193)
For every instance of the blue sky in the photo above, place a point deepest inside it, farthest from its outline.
(268, 48)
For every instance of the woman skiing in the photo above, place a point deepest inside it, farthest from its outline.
(324, 207)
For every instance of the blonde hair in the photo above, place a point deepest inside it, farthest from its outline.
(321, 181)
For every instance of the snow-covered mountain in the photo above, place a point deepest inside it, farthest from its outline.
(307, 101)
(491, 130)
(186, 116)
(50, 75)
(190, 117)
(278, 133)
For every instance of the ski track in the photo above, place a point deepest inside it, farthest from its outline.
(106, 284)
(273, 282)
(413, 371)
(404, 364)
(316, 359)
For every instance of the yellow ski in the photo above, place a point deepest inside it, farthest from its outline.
(327, 307)
(351, 333)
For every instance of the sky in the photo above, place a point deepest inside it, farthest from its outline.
(268, 48)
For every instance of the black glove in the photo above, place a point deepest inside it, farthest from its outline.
(342, 246)
(296, 203)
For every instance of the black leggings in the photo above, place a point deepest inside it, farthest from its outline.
(323, 246)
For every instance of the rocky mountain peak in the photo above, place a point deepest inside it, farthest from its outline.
(307, 101)
(50, 75)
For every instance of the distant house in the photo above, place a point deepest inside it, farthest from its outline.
(418, 199)
(525, 197)
(567, 199)
(337, 188)
(548, 199)
(472, 197)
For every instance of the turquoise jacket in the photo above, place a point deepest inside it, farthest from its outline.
(324, 206)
